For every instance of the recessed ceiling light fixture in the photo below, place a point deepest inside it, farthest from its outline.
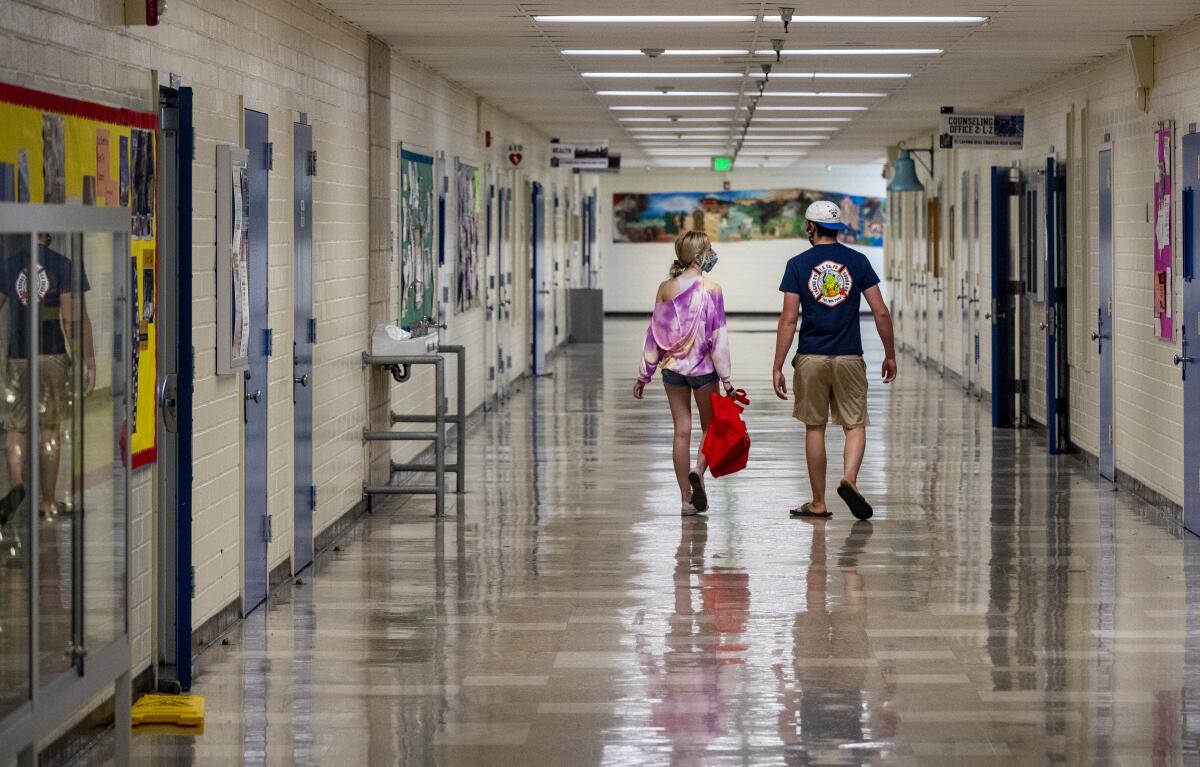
(882, 19)
(661, 75)
(802, 120)
(775, 94)
(853, 51)
(676, 119)
(644, 19)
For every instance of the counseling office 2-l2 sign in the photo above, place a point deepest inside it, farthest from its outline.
(981, 128)
(55, 151)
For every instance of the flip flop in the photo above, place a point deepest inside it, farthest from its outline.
(806, 512)
(699, 497)
(854, 499)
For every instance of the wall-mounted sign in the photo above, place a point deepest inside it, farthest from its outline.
(516, 153)
(614, 166)
(1164, 256)
(722, 164)
(233, 259)
(584, 155)
(981, 128)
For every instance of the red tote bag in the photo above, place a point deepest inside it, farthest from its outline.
(727, 443)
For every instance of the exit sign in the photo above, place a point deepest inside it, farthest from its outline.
(720, 164)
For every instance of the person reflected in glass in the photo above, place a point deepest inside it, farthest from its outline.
(688, 339)
(58, 308)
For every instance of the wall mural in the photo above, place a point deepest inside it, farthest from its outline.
(467, 267)
(739, 216)
(55, 151)
(417, 222)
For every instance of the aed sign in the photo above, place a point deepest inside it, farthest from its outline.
(516, 153)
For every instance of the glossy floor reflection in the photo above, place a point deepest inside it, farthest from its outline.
(1001, 608)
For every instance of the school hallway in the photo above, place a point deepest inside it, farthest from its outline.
(1002, 607)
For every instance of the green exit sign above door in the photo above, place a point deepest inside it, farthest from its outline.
(720, 164)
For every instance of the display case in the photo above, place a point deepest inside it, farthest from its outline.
(66, 325)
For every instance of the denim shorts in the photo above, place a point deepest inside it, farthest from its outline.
(671, 378)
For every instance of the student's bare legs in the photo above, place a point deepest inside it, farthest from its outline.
(680, 400)
(704, 405)
(856, 447)
(814, 455)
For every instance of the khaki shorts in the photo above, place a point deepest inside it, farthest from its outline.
(52, 373)
(825, 382)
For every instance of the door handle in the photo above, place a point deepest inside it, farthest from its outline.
(1182, 360)
(302, 380)
(256, 396)
(1097, 335)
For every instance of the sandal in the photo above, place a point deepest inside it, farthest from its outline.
(699, 497)
(806, 512)
(854, 499)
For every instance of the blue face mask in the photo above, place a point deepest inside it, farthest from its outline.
(709, 262)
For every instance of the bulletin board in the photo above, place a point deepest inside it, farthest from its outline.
(57, 150)
(1164, 254)
(417, 221)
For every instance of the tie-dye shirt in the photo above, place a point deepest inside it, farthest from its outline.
(687, 334)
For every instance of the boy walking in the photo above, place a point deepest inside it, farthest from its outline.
(828, 282)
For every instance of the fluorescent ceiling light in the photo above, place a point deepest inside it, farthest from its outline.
(812, 109)
(835, 75)
(668, 75)
(826, 94)
(669, 94)
(643, 19)
(673, 108)
(668, 52)
(881, 19)
(739, 75)
(677, 120)
(856, 52)
(679, 130)
(788, 139)
(783, 129)
(719, 94)
(758, 119)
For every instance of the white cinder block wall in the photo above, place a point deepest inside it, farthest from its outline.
(282, 57)
(1096, 100)
(749, 272)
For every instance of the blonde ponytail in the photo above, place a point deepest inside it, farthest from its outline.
(688, 249)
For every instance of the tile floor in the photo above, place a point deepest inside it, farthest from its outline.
(1002, 608)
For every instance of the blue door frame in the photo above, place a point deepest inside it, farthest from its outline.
(537, 276)
(1102, 335)
(1189, 351)
(1057, 369)
(185, 144)
(304, 335)
(1003, 304)
(256, 527)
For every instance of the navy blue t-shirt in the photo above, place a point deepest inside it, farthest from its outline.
(830, 280)
(54, 277)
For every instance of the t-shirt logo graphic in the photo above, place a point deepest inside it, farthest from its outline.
(830, 283)
(23, 285)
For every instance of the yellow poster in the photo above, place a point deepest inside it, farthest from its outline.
(56, 150)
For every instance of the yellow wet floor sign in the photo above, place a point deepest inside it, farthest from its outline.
(185, 710)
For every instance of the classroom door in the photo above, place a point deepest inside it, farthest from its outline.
(540, 279)
(176, 363)
(1004, 304)
(964, 280)
(1055, 324)
(256, 527)
(491, 303)
(304, 335)
(1102, 335)
(1188, 358)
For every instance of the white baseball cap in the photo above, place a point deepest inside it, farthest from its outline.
(825, 213)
